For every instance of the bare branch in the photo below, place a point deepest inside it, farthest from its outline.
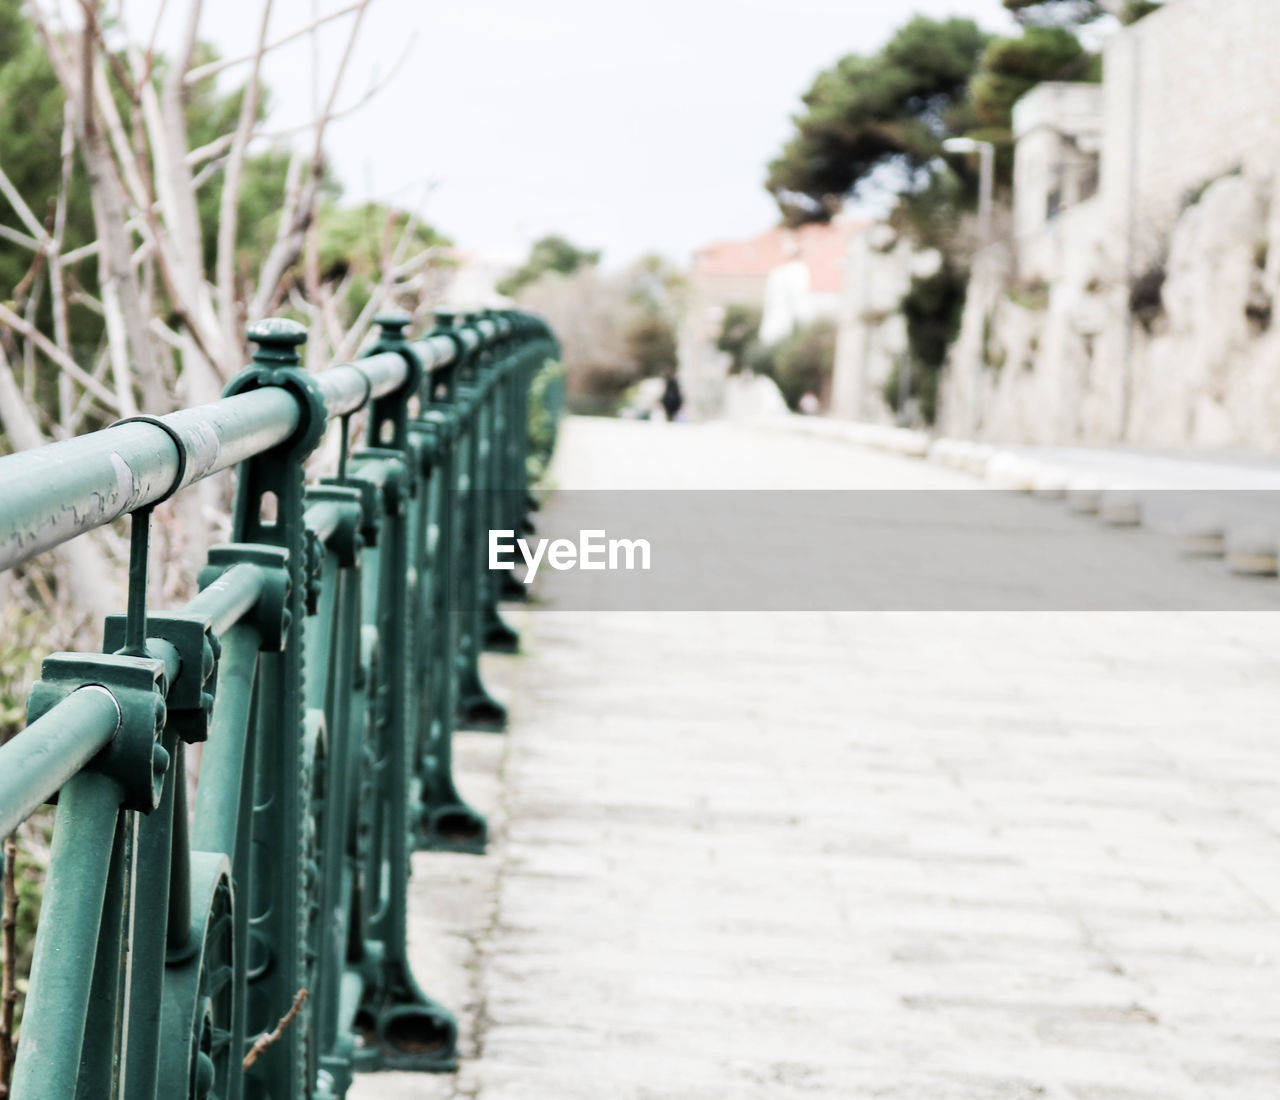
(58, 357)
(283, 252)
(15, 414)
(214, 148)
(227, 224)
(89, 7)
(55, 260)
(9, 965)
(300, 209)
(212, 68)
(182, 61)
(57, 285)
(347, 349)
(173, 339)
(264, 1041)
(125, 164)
(326, 115)
(83, 252)
(207, 173)
(184, 275)
(151, 42)
(15, 237)
(220, 144)
(20, 207)
(83, 405)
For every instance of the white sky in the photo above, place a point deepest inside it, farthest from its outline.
(628, 127)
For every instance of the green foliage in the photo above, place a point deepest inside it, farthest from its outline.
(931, 217)
(739, 334)
(31, 122)
(31, 117)
(654, 284)
(655, 290)
(28, 875)
(1138, 9)
(1075, 13)
(992, 356)
(932, 309)
(867, 114)
(1011, 67)
(553, 253)
(800, 364)
(651, 343)
(21, 644)
(1033, 295)
(546, 403)
(354, 239)
(1146, 296)
(1055, 13)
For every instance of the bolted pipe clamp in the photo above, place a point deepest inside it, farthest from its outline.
(190, 697)
(276, 362)
(270, 615)
(134, 758)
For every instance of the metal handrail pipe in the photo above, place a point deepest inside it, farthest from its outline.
(323, 519)
(36, 763)
(53, 493)
(350, 386)
(230, 598)
(435, 351)
(50, 494)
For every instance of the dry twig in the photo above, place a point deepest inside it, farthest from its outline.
(9, 962)
(264, 1041)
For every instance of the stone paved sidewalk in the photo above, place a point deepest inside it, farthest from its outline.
(937, 856)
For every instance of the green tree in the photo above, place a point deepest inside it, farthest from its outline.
(739, 334)
(1075, 13)
(651, 343)
(353, 242)
(802, 363)
(932, 309)
(31, 118)
(1011, 67)
(31, 122)
(657, 295)
(886, 114)
(550, 254)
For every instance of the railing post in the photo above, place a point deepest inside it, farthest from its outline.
(477, 708)
(275, 885)
(406, 1029)
(443, 820)
(342, 628)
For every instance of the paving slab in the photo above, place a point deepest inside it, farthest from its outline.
(945, 856)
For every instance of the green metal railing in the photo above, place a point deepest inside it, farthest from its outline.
(325, 663)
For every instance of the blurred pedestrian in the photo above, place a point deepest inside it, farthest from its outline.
(672, 398)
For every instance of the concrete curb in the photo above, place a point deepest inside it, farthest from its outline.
(1248, 549)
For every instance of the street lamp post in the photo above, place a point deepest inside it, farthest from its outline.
(986, 151)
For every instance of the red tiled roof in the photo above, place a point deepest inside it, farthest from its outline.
(821, 247)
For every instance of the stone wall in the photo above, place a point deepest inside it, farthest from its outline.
(1198, 83)
(1069, 362)
(1057, 127)
(1050, 349)
(871, 333)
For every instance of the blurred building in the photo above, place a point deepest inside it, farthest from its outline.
(1134, 298)
(1189, 93)
(1057, 130)
(793, 276)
